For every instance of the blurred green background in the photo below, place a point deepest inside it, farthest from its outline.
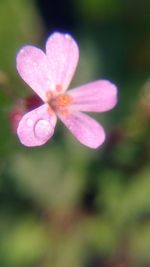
(64, 205)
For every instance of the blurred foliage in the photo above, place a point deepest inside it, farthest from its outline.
(63, 204)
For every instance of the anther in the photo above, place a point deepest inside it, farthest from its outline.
(63, 101)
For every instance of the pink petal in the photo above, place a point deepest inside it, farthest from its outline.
(63, 53)
(98, 96)
(36, 127)
(87, 130)
(33, 68)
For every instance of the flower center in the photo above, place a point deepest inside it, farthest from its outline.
(61, 103)
(58, 103)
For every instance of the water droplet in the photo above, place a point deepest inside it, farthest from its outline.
(43, 129)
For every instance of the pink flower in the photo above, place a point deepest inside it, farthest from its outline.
(49, 75)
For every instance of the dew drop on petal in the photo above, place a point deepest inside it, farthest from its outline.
(43, 129)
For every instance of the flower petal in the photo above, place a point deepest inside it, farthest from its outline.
(33, 68)
(87, 130)
(36, 127)
(63, 53)
(98, 96)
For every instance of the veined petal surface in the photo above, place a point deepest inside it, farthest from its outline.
(63, 54)
(86, 129)
(33, 68)
(98, 96)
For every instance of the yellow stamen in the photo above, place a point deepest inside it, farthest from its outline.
(61, 102)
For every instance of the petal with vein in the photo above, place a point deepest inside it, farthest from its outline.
(36, 127)
(86, 129)
(63, 54)
(33, 68)
(98, 96)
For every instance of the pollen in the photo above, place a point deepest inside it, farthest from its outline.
(61, 102)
